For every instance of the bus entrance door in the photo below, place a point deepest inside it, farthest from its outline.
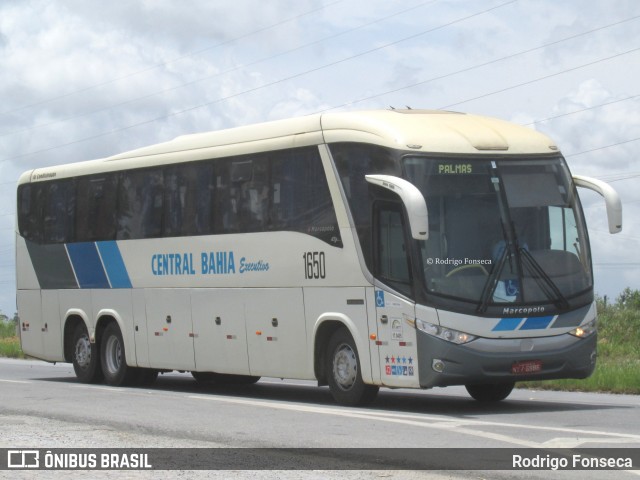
(396, 340)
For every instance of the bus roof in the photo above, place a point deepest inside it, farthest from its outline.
(418, 130)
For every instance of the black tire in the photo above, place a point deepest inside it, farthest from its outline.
(490, 392)
(113, 359)
(343, 371)
(85, 356)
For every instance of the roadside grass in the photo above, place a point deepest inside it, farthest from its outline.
(618, 366)
(9, 341)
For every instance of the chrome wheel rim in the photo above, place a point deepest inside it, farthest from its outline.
(83, 351)
(345, 367)
(113, 354)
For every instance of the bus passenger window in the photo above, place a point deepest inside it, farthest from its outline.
(30, 212)
(140, 199)
(300, 197)
(96, 210)
(188, 199)
(246, 202)
(59, 212)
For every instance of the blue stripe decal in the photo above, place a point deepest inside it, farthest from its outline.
(507, 324)
(537, 323)
(114, 264)
(87, 265)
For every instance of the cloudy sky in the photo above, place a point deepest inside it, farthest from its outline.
(84, 79)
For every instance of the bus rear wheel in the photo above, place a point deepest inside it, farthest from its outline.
(490, 392)
(85, 357)
(114, 365)
(343, 371)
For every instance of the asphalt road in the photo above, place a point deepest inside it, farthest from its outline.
(44, 406)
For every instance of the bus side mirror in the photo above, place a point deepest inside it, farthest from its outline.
(412, 199)
(611, 199)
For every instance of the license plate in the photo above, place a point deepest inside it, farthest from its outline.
(524, 368)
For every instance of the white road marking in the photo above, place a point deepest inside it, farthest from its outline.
(434, 422)
(575, 442)
(569, 438)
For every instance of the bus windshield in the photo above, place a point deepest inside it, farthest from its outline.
(501, 232)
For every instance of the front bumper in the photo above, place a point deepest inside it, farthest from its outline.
(488, 360)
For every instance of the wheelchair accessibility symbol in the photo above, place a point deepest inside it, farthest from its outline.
(379, 298)
(512, 287)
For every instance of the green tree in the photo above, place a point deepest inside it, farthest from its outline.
(629, 299)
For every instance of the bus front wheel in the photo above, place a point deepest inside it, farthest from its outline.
(114, 366)
(343, 371)
(490, 392)
(86, 358)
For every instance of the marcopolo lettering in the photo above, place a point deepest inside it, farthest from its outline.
(522, 310)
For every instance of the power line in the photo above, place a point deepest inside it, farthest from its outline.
(602, 148)
(633, 97)
(295, 49)
(251, 90)
(219, 74)
(181, 57)
(624, 178)
(545, 77)
(618, 175)
(346, 59)
(622, 264)
(618, 235)
(480, 65)
(180, 112)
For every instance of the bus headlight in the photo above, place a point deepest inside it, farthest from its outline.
(448, 334)
(583, 331)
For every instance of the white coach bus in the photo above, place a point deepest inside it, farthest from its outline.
(399, 248)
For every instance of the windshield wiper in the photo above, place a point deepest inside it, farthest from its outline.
(543, 280)
(492, 281)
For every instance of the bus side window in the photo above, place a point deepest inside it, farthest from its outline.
(140, 201)
(188, 200)
(30, 211)
(300, 200)
(256, 196)
(96, 212)
(245, 202)
(288, 191)
(225, 201)
(59, 212)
